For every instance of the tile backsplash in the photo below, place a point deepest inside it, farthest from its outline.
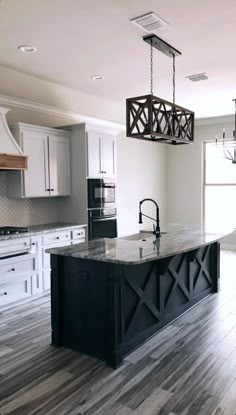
(25, 212)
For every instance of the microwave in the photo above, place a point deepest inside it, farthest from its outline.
(101, 193)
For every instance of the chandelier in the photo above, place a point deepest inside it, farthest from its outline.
(154, 119)
(229, 145)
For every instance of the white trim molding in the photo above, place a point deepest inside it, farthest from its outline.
(220, 119)
(92, 122)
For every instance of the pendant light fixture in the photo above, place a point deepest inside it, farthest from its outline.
(154, 119)
(229, 145)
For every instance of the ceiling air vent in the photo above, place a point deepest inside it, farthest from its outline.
(149, 22)
(198, 77)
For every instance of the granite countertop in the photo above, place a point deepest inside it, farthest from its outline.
(44, 228)
(144, 247)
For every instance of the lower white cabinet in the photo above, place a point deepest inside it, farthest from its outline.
(19, 266)
(25, 268)
(15, 290)
(55, 240)
(46, 279)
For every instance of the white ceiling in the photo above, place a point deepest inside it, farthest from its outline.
(79, 38)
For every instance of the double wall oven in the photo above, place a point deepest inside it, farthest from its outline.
(102, 208)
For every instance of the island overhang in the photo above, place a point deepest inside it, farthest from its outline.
(144, 247)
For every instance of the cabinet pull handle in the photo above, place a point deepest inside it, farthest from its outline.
(5, 293)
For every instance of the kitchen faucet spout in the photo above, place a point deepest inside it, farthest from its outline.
(156, 230)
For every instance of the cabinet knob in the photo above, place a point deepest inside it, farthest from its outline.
(47, 190)
(57, 237)
(5, 293)
(12, 269)
(33, 243)
(52, 190)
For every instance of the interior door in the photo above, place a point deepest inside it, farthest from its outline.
(108, 155)
(36, 177)
(59, 166)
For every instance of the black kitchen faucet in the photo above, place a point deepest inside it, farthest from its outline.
(156, 230)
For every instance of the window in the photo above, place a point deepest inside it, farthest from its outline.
(219, 188)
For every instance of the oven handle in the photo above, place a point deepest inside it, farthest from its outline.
(103, 219)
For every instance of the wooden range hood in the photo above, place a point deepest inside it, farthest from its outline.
(11, 155)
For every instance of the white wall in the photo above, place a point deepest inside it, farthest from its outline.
(141, 173)
(185, 175)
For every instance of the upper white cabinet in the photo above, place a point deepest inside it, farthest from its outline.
(59, 165)
(35, 180)
(48, 172)
(101, 155)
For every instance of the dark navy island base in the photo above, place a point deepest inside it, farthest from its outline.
(105, 302)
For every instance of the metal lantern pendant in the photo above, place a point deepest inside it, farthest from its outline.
(155, 119)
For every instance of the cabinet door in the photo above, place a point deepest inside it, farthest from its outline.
(59, 165)
(15, 290)
(94, 147)
(108, 155)
(36, 177)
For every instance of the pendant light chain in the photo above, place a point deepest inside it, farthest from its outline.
(151, 68)
(173, 78)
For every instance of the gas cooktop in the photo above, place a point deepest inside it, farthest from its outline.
(9, 230)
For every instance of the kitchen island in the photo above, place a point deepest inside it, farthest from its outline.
(110, 295)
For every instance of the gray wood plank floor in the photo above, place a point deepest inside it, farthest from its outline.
(188, 368)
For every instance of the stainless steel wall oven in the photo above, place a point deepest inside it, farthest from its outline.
(101, 193)
(102, 223)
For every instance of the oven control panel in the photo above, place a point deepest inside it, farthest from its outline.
(101, 213)
(108, 212)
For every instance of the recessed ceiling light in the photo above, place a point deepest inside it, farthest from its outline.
(97, 77)
(27, 48)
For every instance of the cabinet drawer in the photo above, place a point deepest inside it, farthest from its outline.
(56, 237)
(46, 257)
(15, 291)
(78, 233)
(14, 246)
(12, 267)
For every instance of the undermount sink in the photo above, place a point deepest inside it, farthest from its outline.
(141, 236)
